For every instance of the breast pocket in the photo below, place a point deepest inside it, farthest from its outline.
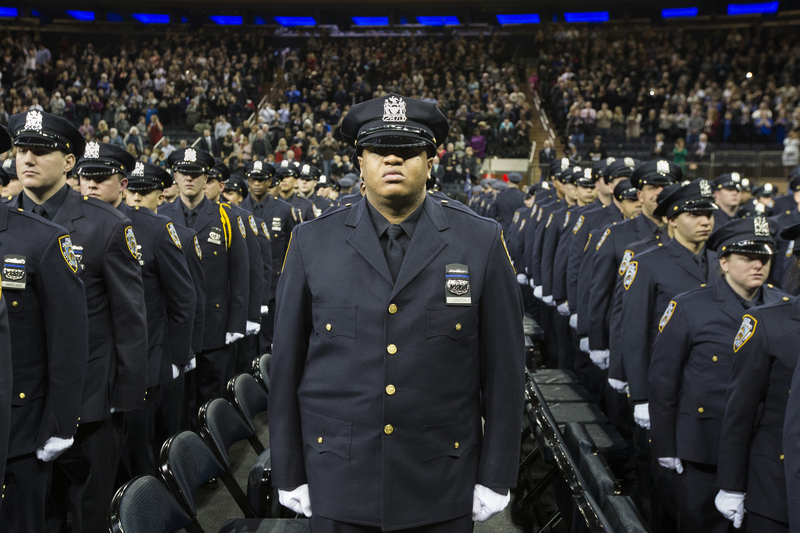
(335, 320)
(453, 322)
(451, 439)
(325, 434)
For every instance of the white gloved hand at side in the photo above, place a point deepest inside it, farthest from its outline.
(548, 300)
(264, 309)
(563, 309)
(297, 500)
(232, 337)
(619, 386)
(192, 364)
(175, 371)
(522, 279)
(583, 344)
(53, 447)
(573, 320)
(671, 463)
(486, 503)
(641, 415)
(252, 328)
(600, 358)
(537, 291)
(731, 505)
(532, 283)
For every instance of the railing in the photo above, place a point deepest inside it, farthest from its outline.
(537, 103)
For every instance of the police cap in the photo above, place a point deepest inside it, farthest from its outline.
(599, 168)
(622, 167)
(10, 168)
(348, 180)
(190, 161)
(794, 183)
(659, 172)
(148, 177)
(287, 169)
(394, 121)
(625, 191)
(754, 208)
(309, 173)
(236, 184)
(754, 235)
(585, 178)
(765, 191)
(37, 128)
(104, 159)
(324, 181)
(515, 177)
(731, 181)
(219, 171)
(687, 197)
(5, 140)
(570, 175)
(259, 170)
(792, 233)
(499, 185)
(476, 189)
(558, 166)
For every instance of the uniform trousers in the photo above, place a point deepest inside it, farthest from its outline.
(756, 523)
(169, 411)
(697, 488)
(566, 350)
(320, 524)
(136, 455)
(210, 375)
(83, 478)
(27, 484)
(267, 330)
(620, 413)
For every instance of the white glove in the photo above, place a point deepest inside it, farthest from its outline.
(53, 447)
(486, 503)
(731, 505)
(175, 371)
(573, 320)
(600, 358)
(537, 291)
(548, 300)
(252, 328)
(192, 364)
(583, 344)
(563, 309)
(532, 283)
(297, 500)
(522, 279)
(672, 463)
(619, 386)
(232, 337)
(264, 309)
(641, 415)
(113, 410)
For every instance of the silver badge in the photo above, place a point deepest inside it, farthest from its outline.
(33, 121)
(735, 177)
(258, 165)
(277, 224)
(394, 109)
(458, 286)
(92, 150)
(138, 170)
(629, 162)
(761, 226)
(587, 173)
(564, 163)
(705, 188)
(610, 160)
(662, 167)
(190, 155)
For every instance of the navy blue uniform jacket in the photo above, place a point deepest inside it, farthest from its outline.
(280, 218)
(194, 260)
(504, 206)
(6, 383)
(410, 454)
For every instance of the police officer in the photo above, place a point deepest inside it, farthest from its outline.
(791, 427)
(508, 201)
(789, 217)
(105, 247)
(691, 365)
(12, 186)
(324, 187)
(307, 183)
(367, 428)
(6, 385)
(280, 218)
(728, 196)
(288, 172)
(788, 201)
(168, 295)
(47, 349)
(225, 264)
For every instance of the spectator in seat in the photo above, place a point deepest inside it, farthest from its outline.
(701, 150)
(597, 152)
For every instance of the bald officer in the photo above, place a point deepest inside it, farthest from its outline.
(368, 427)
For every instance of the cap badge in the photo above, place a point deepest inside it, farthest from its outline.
(761, 226)
(705, 188)
(7, 164)
(394, 109)
(662, 167)
(33, 120)
(306, 169)
(587, 173)
(610, 160)
(735, 177)
(629, 162)
(258, 165)
(92, 150)
(138, 170)
(190, 155)
(564, 163)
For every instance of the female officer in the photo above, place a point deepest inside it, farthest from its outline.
(691, 366)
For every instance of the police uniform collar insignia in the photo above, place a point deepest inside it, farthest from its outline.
(92, 150)
(630, 274)
(761, 226)
(705, 188)
(241, 227)
(746, 331)
(190, 155)
(458, 291)
(67, 251)
(667, 315)
(394, 109)
(173, 234)
(14, 273)
(197, 249)
(33, 121)
(662, 167)
(138, 170)
(253, 225)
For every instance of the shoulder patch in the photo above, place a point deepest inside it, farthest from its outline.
(603, 238)
(588, 240)
(241, 227)
(549, 220)
(533, 211)
(790, 249)
(130, 240)
(539, 216)
(197, 249)
(626, 259)
(630, 274)
(174, 234)
(265, 230)
(522, 224)
(516, 217)
(566, 219)
(578, 225)
(253, 225)
(746, 331)
(65, 244)
(667, 315)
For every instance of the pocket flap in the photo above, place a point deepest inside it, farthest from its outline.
(28, 389)
(451, 438)
(335, 320)
(326, 434)
(454, 322)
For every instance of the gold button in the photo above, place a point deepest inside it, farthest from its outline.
(785, 298)
(215, 253)
(392, 309)
(22, 395)
(715, 358)
(700, 410)
(392, 349)
(458, 327)
(14, 304)
(455, 445)
(702, 284)
(388, 429)
(781, 457)
(319, 440)
(390, 389)
(217, 305)
(328, 327)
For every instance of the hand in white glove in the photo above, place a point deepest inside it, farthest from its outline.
(583, 344)
(563, 309)
(297, 500)
(192, 364)
(672, 463)
(619, 386)
(532, 283)
(53, 447)
(232, 337)
(731, 505)
(522, 279)
(113, 410)
(537, 291)
(641, 415)
(252, 328)
(573, 321)
(486, 503)
(600, 358)
(175, 371)
(548, 300)
(264, 309)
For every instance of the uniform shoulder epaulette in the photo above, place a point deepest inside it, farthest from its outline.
(104, 206)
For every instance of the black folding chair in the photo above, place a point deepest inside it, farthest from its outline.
(248, 397)
(260, 370)
(600, 481)
(144, 504)
(623, 516)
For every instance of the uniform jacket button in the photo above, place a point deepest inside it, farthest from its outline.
(319, 440)
(715, 359)
(700, 410)
(388, 429)
(392, 349)
(14, 304)
(392, 309)
(458, 327)
(22, 395)
(328, 327)
(781, 457)
(390, 390)
(455, 445)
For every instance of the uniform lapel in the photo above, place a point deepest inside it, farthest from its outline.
(70, 211)
(365, 240)
(206, 216)
(730, 304)
(685, 260)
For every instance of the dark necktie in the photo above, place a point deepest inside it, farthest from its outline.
(40, 210)
(394, 250)
(700, 259)
(190, 216)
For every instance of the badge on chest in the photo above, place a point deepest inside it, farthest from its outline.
(215, 236)
(14, 275)
(457, 288)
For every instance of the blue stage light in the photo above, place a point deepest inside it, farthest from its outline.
(587, 16)
(225, 20)
(532, 18)
(86, 16)
(259, 20)
(296, 21)
(9, 12)
(114, 17)
(371, 21)
(753, 9)
(150, 18)
(438, 21)
(679, 12)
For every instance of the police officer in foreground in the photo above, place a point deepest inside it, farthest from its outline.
(105, 248)
(6, 384)
(691, 365)
(368, 428)
(791, 425)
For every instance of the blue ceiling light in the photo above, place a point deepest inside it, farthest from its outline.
(150, 18)
(259, 20)
(295, 21)
(114, 17)
(225, 20)
(753, 9)
(679, 12)
(86, 16)
(438, 21)
(532, 18)
(9, 12)
(587, 16)
(371, 21)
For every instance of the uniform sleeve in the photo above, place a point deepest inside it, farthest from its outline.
(550, 238)
(604, 276)
(670, 353)
(179, 295)
(577, 244)
(6, 382)
(791, 447)
(238, 271)
(502, 370)
(266, 261)
(195, 265)
(292, 316)
(746, 390)
(638, 302)
(584, 286)
(536, 253)
(123, 279)
(256, 274)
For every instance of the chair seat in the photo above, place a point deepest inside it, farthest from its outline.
(563, 392)
(554, 376)
(576, 412)
(265, 525)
